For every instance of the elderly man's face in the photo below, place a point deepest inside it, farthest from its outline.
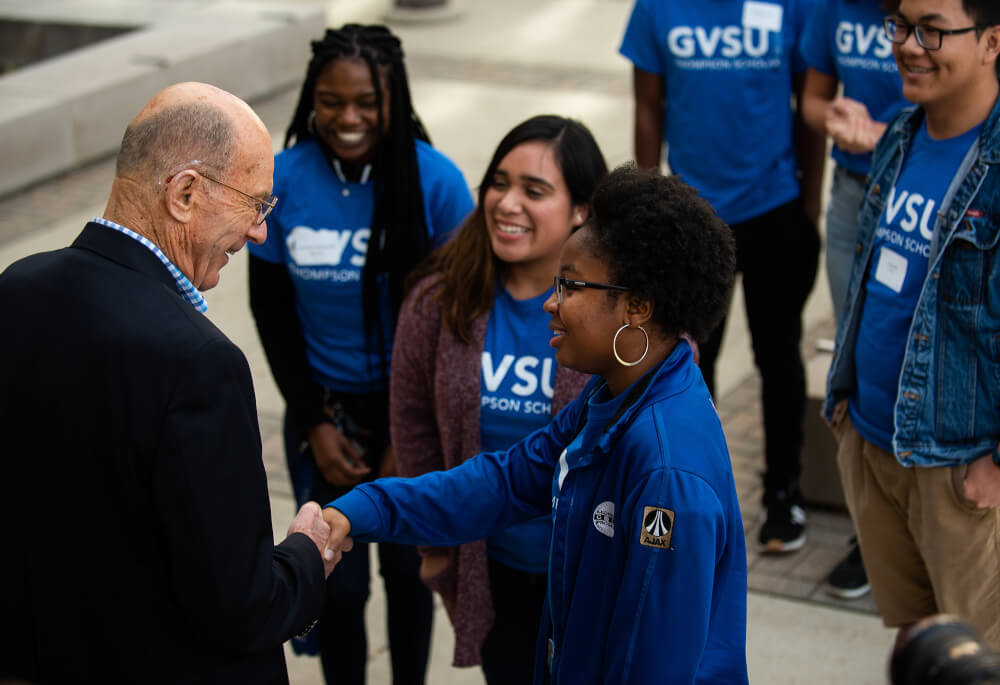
(229, 218)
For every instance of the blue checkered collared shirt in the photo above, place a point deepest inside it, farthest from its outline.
(184, 286)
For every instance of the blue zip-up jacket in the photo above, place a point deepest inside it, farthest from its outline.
(947, 409)
(647, 564)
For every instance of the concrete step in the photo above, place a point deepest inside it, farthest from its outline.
(58, 114)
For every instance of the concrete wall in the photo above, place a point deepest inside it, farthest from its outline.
(73, 109)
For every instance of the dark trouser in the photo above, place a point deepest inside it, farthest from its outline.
(343, 642)
(509, 650)
(777, 254)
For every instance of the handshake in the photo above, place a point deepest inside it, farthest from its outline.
(327, 528)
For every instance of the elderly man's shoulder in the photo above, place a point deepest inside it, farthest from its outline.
(111, 303)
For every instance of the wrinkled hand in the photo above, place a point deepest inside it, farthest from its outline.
(851, 127)
(337, 460)
(982, 483)
(310, 521)
(338, 541)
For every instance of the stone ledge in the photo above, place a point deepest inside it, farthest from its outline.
(72, 109)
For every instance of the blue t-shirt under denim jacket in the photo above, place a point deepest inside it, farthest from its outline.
(946, 407)
(897, 271)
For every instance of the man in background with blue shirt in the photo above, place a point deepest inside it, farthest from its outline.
(715, 81)
(913, 393)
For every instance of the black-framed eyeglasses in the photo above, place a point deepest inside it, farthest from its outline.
(263, 207)
(560, 283)
(928, 37)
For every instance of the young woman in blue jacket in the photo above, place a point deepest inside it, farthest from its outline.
(647, 562)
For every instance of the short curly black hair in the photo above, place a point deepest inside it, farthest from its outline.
(664, 242)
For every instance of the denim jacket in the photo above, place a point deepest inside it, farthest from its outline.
(947, 409)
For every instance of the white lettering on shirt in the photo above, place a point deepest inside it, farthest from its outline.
(525, 369)
(309, 246)
(360, 244)
(913, 202)
(492, 378)
(685, 42)
(849, 35)
(528, 382)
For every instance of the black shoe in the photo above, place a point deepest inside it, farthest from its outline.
(848, 580)
(784, 528)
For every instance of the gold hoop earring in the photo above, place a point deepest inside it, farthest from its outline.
(614, 346)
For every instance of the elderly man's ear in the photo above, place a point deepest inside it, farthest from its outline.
(179, 197)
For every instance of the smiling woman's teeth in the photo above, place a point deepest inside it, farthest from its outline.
(512, 230)
(351, 137)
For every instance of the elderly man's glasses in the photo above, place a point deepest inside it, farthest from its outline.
(928, 37)
(263, 207)
(564, 283)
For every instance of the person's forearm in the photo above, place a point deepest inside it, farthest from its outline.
(648, 137)
(814, 110)
(816, 92)
(648, 90)
(810, 149)
(812, 160)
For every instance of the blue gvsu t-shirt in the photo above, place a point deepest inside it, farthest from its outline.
(896, 273)
(727, 67)
(519, 370)
(320, 229)
(845, 39)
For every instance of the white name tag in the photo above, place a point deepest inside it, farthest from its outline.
(762, 15)
(891, 269)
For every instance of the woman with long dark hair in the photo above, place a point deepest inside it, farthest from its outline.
(473, 371)
(364, 197)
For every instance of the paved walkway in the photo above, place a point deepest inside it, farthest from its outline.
(472, 79)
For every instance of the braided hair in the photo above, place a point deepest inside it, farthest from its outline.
(399, 232)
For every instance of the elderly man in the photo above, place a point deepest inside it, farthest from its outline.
(136, 522)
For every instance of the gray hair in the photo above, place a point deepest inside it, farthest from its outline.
(161, 143)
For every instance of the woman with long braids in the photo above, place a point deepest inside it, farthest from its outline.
(473, 371)
(364, 197)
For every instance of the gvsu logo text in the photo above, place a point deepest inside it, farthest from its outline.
(858, 39)
(529, 391)
(731, 42)
(325, 246)
(326, 254)
(861, 46)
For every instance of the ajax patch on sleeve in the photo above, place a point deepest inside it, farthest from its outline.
(657, 527)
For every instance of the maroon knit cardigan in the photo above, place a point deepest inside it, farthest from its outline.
(434, 396)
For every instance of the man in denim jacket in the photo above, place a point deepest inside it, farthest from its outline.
(913, 393)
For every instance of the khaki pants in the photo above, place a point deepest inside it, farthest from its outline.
(927, 549)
